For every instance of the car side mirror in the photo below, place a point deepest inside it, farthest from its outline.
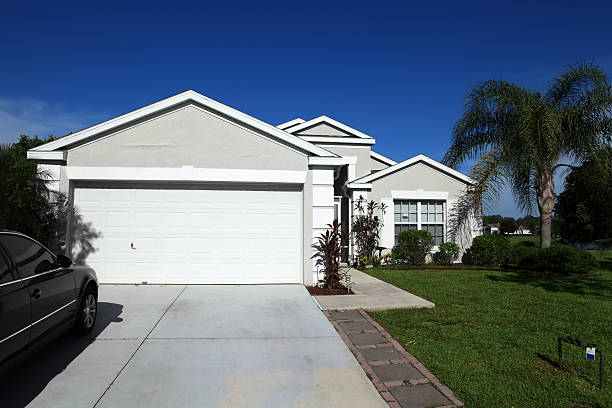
(64, 261)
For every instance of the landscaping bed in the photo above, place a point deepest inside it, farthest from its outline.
(317, 291)
(492, 336)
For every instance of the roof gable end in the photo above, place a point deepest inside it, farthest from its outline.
(167, 103)
(421, 158)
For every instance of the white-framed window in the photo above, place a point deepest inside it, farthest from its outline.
(426, 215)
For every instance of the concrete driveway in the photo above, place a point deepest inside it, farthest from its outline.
(206, 346)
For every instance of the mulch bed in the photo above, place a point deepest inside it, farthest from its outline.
(317, 291)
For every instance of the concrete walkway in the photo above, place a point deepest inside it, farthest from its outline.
(372, 294)
(399, 377)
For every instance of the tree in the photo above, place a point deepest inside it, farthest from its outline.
(25, 203)
(521, 137)
(491, 219)
(530, 222)
(508, 225)
(584, 206)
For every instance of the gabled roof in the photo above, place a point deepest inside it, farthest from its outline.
(325, 119)
(290, 123)
(381, 158)
(406, 163)
(183, 97)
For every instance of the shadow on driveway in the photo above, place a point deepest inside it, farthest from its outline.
(28, 375)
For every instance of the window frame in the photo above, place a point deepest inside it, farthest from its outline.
(419, 222)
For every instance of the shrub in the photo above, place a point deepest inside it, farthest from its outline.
(468, 257)
(449, 252)
(559, 259)
(412, 247)
(328, 254)
(520, 251)
(490, 250)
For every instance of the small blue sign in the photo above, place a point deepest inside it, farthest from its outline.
(590, 353)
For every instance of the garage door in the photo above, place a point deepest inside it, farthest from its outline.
(189, 235)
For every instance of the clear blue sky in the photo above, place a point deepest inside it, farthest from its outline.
(397, 71)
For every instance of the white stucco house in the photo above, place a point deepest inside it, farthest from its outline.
(189, 190)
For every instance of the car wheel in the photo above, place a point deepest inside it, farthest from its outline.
(87, 312)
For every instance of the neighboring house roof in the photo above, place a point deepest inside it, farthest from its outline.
(381, 158)
(43, 151)
(406, 163)
(494, 225)
(329, 121)
(290, 123)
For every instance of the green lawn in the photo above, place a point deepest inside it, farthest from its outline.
(520, 238)
(492, 335)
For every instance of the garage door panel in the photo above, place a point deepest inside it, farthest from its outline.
(193, 235)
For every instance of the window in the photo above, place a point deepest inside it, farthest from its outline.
(5, 271)
(422, 215)
(30, 257)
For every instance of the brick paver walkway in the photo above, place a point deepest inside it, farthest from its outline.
(399, 377)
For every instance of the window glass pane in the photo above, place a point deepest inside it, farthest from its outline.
(5, 272)
(413, 217)
(439, 207)
(439, 218)
(413, 207)
(30, 257)
(396, 207)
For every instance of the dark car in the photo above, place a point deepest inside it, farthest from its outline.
(41, 294)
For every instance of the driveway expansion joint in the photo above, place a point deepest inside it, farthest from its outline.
(404, 379)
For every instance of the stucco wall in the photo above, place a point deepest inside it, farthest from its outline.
(323, 130)
(188, 136)
(362, 153)
(416, 177)
(377, 165)
(425, 183)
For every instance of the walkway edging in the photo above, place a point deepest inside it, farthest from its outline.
(384, 387)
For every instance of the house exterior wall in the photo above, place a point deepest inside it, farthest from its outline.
(362, 153)
(376, 165)
(188, 136)
(322, 130)
(419, 182)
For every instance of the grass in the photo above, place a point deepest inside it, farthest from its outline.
(492, 337)
(522, 238)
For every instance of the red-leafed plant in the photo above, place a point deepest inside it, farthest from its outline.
(328, 254)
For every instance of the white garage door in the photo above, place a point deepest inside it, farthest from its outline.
(169, 235)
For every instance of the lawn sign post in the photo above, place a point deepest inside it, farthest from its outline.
(591, 350)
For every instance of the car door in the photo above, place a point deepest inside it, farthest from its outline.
(51, 288)
(14, 310)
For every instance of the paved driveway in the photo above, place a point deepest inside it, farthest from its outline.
(206, 346)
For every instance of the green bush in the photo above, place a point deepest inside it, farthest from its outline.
(520, 251)
(490, 250)
(468, 257)
(412, 247)
(448, 253)
(560, 259)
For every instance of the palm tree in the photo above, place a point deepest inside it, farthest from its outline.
(521, 137)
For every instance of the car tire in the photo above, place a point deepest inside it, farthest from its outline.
(87, 312)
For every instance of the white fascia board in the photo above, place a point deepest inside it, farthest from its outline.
(338, 140)
(382, 158)
(359, 186)
(411, 161)
(59, 155)
(175, 100)
(329, 121)
(187, 173)
(290, 123)
(326, 161)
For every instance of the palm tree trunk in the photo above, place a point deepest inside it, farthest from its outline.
(546, 203)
